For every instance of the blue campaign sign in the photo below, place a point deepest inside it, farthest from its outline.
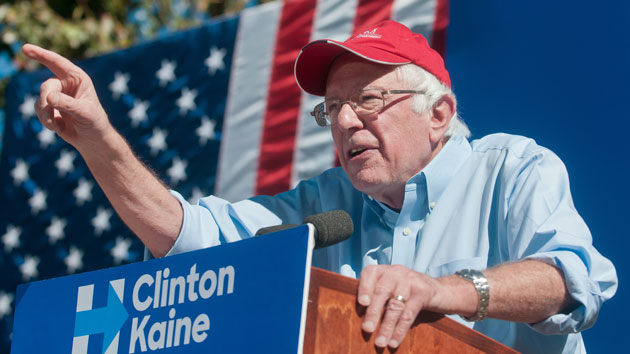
(241, 297)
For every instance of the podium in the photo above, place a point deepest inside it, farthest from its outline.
(259, 295)
(333, 324)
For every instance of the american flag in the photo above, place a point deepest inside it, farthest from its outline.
(213, 110)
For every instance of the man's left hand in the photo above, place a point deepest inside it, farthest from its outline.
(399, 292)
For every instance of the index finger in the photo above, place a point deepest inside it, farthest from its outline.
(367, 282)
(59, 65)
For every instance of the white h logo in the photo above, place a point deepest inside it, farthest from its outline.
(106, 320)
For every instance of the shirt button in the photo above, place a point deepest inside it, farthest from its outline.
(432, 205)
(406, 231)
(370, 197)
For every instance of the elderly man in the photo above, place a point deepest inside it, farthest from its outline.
(485, 229)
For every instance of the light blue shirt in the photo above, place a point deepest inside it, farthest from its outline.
(476, 205)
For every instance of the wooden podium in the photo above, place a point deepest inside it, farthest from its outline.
(333, 325)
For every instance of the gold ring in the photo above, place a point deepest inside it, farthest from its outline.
(400, 298)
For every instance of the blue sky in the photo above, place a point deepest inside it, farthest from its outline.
(557, 72)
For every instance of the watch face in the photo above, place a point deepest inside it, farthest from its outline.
(466, 273)
(470, 274)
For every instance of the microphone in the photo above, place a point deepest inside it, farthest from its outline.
(274, 228)
(331, 227)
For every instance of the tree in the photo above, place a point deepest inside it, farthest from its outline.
(90, 27)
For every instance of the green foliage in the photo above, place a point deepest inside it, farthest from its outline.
(85, 28)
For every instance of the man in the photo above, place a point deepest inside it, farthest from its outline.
(481, 229)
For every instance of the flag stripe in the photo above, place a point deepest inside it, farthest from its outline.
(370, 12)
(438, 40)
(247, 100)
(419, 16)
(283, 102)
(314, 149)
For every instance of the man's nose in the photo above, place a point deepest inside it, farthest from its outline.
(347, 118)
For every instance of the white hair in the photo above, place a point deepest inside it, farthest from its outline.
(416, 78)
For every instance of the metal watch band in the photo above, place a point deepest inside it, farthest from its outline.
(483, 290)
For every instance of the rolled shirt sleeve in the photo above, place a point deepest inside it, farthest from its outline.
(214, 221)
(545, 226)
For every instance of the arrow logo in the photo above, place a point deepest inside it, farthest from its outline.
(107, 320)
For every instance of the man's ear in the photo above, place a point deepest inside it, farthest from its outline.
(442, 112)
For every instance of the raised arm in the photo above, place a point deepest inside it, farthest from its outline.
(68, 104)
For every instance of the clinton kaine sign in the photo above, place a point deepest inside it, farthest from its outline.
(194, 302)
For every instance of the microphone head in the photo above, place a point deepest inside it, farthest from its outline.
(331, 227)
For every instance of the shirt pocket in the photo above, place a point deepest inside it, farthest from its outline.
(478, 263)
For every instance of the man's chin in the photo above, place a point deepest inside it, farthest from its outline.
(367, 183)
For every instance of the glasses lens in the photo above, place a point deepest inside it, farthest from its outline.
(369, 102)
(332, 108)
(320, 115)
(366, 103)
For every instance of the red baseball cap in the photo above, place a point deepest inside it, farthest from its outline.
(388, 42)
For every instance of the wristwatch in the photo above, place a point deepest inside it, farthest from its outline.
(483, 290)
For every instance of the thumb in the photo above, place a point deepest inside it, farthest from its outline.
(63, 102)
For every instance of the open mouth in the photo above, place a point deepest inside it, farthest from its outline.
(356, 152)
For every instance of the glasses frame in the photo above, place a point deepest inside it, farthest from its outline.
(322, 118)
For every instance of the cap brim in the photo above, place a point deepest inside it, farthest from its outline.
(315, 59)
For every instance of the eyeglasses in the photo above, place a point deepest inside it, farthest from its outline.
(368, 102)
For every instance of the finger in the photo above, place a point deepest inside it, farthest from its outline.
(395, 308)
(368, 278)
(49, 116)
(51, 93)
(47, 88)
(383, 290)
(44, 113)
(64, 103)
(50, 85)
(59, 122)
(405, 320)
(59, 65)
(51, 103)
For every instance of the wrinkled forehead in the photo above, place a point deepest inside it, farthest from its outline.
(350, 73)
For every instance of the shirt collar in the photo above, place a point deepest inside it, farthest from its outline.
(434, 177)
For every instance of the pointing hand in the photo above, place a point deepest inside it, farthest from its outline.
(68, 103)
